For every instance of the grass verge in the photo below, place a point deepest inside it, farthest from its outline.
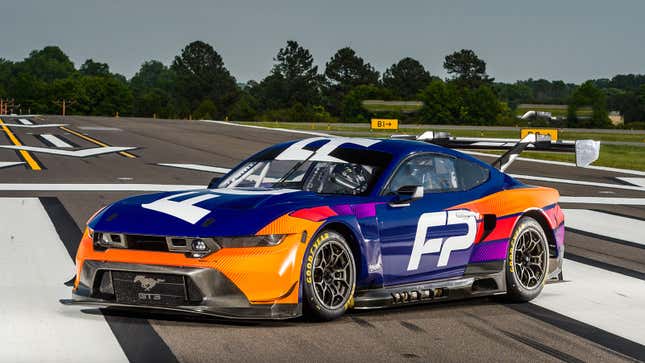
(616, 156)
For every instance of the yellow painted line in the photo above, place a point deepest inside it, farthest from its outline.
(26, 156)
(95, 141)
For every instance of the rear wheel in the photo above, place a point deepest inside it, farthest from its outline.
(527, 262)
(330, 277)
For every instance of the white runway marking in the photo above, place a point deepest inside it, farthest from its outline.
(199, 167)
(38, 126)
(24, 121)
(576, 182)
(6, 164)
(626, 229)
(34, 326)
(561, 163)
(98, 187)
(603, 200)
(635, 181)
(601, 298)
(270, 128)
(99, 128)
(56, 141)
(93, 151)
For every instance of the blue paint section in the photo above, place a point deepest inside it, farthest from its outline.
(558, 232)
(447, 231)
(384, 235)
(228, 214)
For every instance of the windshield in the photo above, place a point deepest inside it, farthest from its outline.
(323, 177)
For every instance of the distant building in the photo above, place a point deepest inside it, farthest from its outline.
(616, 118)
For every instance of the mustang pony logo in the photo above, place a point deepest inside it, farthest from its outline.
(147, 283)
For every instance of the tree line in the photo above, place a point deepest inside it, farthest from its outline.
(197, 84)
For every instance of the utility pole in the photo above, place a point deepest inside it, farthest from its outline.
(64, 104)
(7, 104)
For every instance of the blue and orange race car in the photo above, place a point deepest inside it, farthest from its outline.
(322, 225)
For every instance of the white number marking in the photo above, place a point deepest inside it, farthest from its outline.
(297, 150)
(444, 244)
(185, 209)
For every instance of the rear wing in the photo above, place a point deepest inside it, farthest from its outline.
(587, 151)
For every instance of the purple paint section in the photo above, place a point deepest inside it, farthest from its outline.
(365, 210)
(559, 237)
(343, 209)
(489, 251)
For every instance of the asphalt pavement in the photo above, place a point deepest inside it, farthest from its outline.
(56, 171)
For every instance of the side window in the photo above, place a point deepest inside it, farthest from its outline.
(435, 172)
(470, 174)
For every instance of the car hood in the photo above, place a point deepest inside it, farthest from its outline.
(202, 213)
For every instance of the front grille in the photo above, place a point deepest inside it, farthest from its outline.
(146, 243)
(130, 287)
(107, 240)
(149, 289)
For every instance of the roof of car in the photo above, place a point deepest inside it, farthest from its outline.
(398, 148)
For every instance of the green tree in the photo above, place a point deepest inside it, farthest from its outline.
(442, 103)
(271, 93)
(406, 78)
(588, 94)
(92, 68)
(200, 74)
(344, 71)
(630, 104)
(152, 88)
(514, 94)
(466, 68)
(206, 110)
(300, 78)
(103, 96)
(347, 70)
(6, 72)
(480, 106)
(245, 109)
(47, 64)
(353, 109)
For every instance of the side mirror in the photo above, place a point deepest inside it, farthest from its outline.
(213, 183)
(406, 195)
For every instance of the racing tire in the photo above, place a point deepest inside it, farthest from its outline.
(527, 261)
(329, 277)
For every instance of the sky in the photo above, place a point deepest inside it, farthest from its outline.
(570, 40)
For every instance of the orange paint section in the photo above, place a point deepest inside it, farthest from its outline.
(512, 201)
(509, 202)
(266, 275)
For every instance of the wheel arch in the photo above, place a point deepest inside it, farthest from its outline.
(351, 237)
(540, 216)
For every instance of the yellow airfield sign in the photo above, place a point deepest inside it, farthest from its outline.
(553, 133)
(385, 124)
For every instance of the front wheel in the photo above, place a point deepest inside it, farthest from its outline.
(527, 263)
(330, 277)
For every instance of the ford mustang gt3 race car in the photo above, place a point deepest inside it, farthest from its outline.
(322, 225)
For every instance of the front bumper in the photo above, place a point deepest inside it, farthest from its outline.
(208, 292)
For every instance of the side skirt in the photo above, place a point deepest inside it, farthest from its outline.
(479, 279)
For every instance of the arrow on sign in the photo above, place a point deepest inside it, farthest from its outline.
(93, 151)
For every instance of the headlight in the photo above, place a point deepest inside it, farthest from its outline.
(250, 241)
(109, 240)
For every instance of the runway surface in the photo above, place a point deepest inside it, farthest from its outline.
(56, 171)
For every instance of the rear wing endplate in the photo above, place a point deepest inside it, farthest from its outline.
(587, 151)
